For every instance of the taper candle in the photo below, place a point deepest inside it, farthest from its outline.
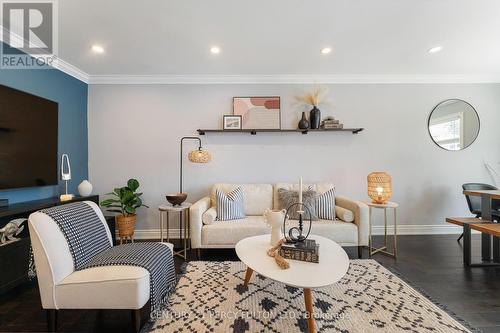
(300, 190)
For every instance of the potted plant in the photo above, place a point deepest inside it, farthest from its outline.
(125, 202)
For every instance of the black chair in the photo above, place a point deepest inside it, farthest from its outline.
(474, 202)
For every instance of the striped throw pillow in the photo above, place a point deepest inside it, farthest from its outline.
(230, 206)
(325, 205)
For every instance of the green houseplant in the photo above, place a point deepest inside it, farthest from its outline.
(125, 202)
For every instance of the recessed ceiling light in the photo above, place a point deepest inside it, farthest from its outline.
(97, 49)
(326, 50)
(435, 49)
(215, 49)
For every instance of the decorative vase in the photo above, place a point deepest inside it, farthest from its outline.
(315, 118)
(274, 219)
(303, 123)
(85, 188)
(126, 226)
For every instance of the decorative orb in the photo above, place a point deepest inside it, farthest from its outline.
(199, 156)
(379, 187)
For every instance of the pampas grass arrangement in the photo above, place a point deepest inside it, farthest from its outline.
(315, 97)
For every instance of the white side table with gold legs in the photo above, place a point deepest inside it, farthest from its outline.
(184, 227)
(387, 206)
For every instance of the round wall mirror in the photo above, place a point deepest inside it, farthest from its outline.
(453, 124)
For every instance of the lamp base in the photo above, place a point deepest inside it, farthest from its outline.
(380, 202)
(66, 197)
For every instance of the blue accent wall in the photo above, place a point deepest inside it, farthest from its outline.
(71, 94)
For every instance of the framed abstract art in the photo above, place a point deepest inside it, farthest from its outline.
(258, 112)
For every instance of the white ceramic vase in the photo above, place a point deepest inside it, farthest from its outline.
(274, 219)
(85, 188)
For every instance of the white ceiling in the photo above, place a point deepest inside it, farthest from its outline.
(281, 37)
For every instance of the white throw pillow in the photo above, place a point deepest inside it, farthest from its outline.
(209, 216)
(344, 214)
(230, 206)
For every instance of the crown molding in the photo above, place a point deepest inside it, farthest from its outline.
(71, 70)
(291, 79)
(59, 63)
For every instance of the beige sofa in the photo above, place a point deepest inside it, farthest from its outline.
(258, 198)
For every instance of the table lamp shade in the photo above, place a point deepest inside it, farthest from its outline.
(379, 187)
(199, 156)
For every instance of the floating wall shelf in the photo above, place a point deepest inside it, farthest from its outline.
(255, 131)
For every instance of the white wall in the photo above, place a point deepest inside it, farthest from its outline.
(134, 131)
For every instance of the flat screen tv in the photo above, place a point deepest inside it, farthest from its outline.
(28, 140)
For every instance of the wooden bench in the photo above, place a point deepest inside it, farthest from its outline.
(460, 221)
(487, 229)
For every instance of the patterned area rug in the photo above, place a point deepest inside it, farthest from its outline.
(210, 297)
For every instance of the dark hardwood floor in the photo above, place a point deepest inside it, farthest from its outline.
(432, 263)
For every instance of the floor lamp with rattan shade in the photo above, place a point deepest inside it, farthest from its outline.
(196, 156)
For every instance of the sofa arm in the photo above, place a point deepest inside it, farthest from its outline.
(195, 213)
(361, 217)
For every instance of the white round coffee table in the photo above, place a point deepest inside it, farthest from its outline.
(332, 266)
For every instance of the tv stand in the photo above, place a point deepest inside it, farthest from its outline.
(14, 257)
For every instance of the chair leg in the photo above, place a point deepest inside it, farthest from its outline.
(461, 236)
(360, 252)
(136, 320)
(51, 320)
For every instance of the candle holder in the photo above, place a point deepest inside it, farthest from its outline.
(300, 237)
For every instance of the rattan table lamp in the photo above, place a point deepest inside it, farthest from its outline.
(379, 187)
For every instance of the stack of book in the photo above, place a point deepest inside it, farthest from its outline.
(304, 251)
(331, 122)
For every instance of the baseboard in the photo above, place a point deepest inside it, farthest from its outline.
(377, 230)
(416, 229)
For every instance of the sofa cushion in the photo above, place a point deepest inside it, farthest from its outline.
(344, 214)
(287, 198)
(318, 187)
(341, 232)
(231, 232)
(209, 216)
(104, 288)
(258, 197)
(230, 206)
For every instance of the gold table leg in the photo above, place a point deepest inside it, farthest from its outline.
(183, 233)
(383, 249)
(370, 232)
(161, 226)
(395, 235)
(168, 227)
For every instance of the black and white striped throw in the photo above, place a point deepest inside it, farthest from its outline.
(83, 229)
(155, 257)
(90, 246)
(325, 205)
(230, 206)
